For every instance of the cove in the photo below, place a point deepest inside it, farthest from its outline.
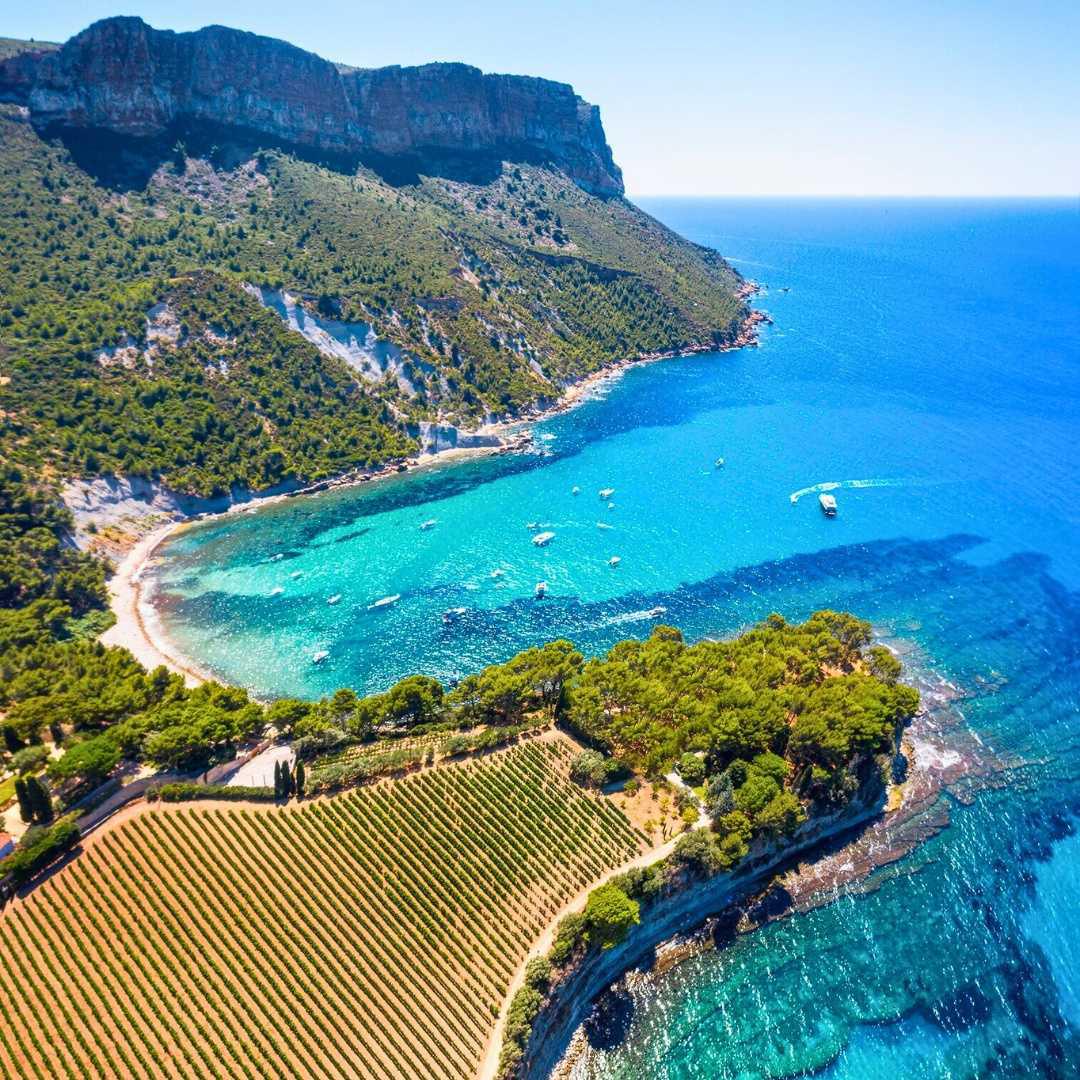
(927, 346)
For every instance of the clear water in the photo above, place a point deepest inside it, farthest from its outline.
(930, 347)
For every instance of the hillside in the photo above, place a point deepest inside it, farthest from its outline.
(457, 295)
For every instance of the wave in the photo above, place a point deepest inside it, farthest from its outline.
(834, 485)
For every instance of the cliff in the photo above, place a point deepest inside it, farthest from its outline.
(123, 77)
(681, 910)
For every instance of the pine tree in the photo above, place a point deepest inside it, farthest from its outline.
(300, 779)
(26, 807)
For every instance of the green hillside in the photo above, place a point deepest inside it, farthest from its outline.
(498, 295)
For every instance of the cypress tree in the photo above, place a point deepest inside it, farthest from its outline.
(38, 797)
(286, 779)
(277, 780)
(300, 779)
(26, 807)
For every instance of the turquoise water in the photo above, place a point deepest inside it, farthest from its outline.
(930, 348)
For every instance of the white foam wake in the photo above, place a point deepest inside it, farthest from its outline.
(834, 485)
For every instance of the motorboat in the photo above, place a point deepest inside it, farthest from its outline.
(614, 560)
(320, 656)
(828, 505)
(656, 612)
(575, 490)
(719, 462)
(543, 539)
(386, 601)
(334, 599)
(606, 493)
(277, 590)
(429, 524)
(541, 590)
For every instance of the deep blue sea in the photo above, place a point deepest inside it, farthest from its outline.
(925, 358)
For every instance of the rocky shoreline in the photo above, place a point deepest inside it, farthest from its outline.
(939, 756)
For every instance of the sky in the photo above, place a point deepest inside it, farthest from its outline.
(708, 98)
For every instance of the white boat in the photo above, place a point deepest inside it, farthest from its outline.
(452, 614)
(386, 601)
(604, 525)
(320, 656)
(656, 612)
(498, 572)
(276, 558)
(614, 560)
(277, 590)
(541, 590)
(828, 505)
(334, 599)
(611, 506)
(543, 539)
(296, 573)
(575, 490)
(719, 462)
(430, 524)
(606, 493)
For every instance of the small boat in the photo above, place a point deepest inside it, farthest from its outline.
(656, 612)
(575, 490)
(614, 560)
(278, 557)
(606, 493)
(604, 525)
(828, 505)
(296, 573)
(320, 656)
(453, 614)
(498, 572)
(277, 590)
(334, 599)
(541, 590)
(719, 463)
(611, 506)
(430, 524)
(543, 539)
(386, 601)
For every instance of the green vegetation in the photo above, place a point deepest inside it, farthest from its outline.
(127, 343)
(373, 934)
(609, 916)
(185, 792)
(39, 847)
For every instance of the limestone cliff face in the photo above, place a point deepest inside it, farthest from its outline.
(123, 77)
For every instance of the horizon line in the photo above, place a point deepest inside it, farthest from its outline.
(846, 195)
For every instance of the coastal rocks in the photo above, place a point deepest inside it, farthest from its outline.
(122, 77)
(437, 438)
(679, 913)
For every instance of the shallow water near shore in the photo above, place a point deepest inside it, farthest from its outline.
(925, 356)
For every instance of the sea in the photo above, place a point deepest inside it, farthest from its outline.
(923, 367)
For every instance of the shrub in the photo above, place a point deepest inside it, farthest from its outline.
(40, 847)
(28, 758)
(691, 769)
(569, 934)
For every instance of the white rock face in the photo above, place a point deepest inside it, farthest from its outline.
(370, 356)
(436, 438)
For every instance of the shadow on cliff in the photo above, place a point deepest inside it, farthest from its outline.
(125, 163)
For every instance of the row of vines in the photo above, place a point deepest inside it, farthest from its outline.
(373, 934)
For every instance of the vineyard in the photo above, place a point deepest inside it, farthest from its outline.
(372, 934)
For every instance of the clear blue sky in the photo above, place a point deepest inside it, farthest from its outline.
(877, 97)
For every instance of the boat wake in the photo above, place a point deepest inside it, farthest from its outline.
(635, 616)
(836, 485)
